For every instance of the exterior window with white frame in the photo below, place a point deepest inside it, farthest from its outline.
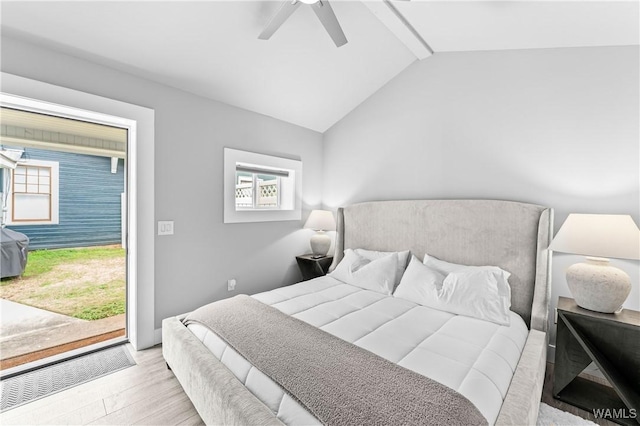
(260, 188)
(34, 193)
(257, 189)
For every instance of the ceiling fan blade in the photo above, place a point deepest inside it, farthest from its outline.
(286, 9)
(325, 13)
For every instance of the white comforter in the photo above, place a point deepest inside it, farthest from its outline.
(474, 357)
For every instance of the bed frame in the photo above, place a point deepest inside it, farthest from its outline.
(512, 235)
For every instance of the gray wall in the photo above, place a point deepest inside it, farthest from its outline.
(557, 127)
(192, 266)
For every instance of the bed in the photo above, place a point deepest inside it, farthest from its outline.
(511, 235)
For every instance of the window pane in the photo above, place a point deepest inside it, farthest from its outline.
(244, 190)
(20, 178)
(30, 207)
(44, 189)
(32, 189)
(20, 187)
(45, 172)
(32, 179)
(32, 171)
(268, 191)
(244, 177)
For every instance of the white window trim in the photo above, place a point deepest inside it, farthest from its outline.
(55, 195)
(231, 158)
(36, 96)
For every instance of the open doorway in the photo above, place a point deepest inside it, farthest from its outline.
(64, 228)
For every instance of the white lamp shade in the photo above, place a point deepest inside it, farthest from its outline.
(321, 220)
(599, 235)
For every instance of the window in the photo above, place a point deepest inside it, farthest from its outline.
(258, 188)
(34, 193)
(261, 187)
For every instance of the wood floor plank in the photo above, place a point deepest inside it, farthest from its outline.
(145, 356)
(81, 416)
(194, 420)
(24, 419)
(140, 409)
(176, 411)
(155, 384)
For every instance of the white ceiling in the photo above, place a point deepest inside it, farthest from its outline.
(211, 48)
(482, 25)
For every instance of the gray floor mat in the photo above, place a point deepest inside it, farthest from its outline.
(45, 381)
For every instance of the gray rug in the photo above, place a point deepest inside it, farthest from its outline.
(548, 416)
(45, 381)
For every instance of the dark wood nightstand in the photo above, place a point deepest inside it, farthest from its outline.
(311, 267)
(612, 342)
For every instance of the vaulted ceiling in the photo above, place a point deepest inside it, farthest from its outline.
(211, 47)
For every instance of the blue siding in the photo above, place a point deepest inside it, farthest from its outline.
(89, 203)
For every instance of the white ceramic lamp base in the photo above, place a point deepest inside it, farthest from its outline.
(598, 286)
(320, 243)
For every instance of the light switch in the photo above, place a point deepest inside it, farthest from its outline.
(231, 284)
(165, 227)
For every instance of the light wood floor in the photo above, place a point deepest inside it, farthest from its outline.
(145, 394)
(149, 394)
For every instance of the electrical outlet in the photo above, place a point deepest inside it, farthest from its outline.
(165, 227)
(231, 284)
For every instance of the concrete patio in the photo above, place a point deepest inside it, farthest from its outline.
(28, 334)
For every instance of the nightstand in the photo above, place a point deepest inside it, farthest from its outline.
(612, 342)
(311, 267)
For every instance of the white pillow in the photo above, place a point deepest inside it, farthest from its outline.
(477, 292)
(448, 267)
(403, 259)
(376, 275)
(419, 283)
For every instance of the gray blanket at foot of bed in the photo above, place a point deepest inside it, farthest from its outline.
(337, 381)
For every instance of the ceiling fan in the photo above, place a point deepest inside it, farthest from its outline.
(323, 11)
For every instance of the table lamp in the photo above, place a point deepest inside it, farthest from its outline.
(595, 284)
(320, 221)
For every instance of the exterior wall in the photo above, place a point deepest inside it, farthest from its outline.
(89, 203)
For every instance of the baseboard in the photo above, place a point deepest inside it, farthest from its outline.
(157, 336)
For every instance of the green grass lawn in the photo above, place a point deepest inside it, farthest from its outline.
(86, 283)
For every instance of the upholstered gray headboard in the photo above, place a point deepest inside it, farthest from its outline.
(511, 235)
